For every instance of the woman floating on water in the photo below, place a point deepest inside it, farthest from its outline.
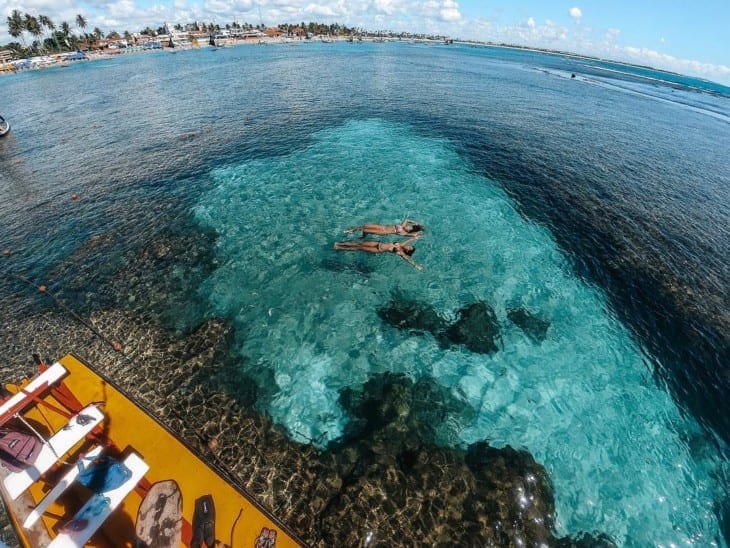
(407, 227)
(402, 249)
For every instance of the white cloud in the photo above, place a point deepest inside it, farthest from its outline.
(122, 9)
(450, 11)
(668, 62)
(321, 10)
(428, 16)
(609, 40)
(388, 7)
(531, 33)
(446, 11)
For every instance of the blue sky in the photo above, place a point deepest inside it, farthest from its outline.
(699, 30)
(687, 37)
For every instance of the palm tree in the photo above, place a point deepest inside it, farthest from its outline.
(66, 31)
(97, 34)
(81, 21)
(34, 28)
(45, 21)
(16, 26)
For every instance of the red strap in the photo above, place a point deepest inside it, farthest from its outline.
(66, 398)
(62, 412)
(187, 532)
(10, 413)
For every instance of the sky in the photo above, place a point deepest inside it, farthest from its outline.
(691, 38)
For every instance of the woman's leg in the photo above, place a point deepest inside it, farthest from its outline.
(357, 246)
(380, 230)
(349, 246)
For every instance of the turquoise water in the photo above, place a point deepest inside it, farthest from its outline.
(598, 203)
(582, 401)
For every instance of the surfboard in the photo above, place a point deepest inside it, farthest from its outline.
(159, 519)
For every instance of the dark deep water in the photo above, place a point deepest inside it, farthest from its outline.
(627, 172)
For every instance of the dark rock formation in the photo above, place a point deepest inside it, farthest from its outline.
(476, 328)
(586, 540)
(533, 326)
(393, 473)
(412, 315)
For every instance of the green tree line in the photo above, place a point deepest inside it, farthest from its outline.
(39, 35)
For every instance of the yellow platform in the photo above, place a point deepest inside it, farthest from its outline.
(128, 428)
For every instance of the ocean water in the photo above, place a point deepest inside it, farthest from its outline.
(593, 195)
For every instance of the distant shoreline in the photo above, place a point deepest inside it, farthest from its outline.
(571, 54)
(99, 55)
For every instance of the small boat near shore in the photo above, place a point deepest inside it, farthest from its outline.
(83, 463)
(4, 127)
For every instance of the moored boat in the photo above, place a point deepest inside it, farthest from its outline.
(103, 470)
(4, 127)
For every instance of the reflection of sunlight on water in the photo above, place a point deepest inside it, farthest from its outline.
(581, 401)
(309, 405)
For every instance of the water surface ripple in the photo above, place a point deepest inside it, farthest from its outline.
(598, 201)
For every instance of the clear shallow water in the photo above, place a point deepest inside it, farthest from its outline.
(599, 202)
(582, 401)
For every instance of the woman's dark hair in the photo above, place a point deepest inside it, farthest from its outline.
(417, 228)
(408, 250)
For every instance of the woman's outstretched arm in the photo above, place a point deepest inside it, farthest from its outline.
(411, 239)
(410, 261)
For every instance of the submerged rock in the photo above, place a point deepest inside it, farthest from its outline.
(412, 315)
(476, 328)
(392, 401)
(514, 483)
(534, 327)
(595, 539)
(399, 488)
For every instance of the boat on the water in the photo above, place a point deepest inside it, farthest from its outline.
(4, 127)
(84, 464)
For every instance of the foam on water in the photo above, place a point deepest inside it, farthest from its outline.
(583, 401)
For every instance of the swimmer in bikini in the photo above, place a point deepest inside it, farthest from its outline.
(406, 228)
(402, 249)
